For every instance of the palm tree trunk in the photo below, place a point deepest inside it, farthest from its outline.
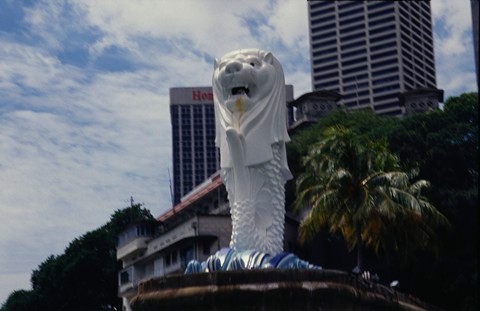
(358, 233)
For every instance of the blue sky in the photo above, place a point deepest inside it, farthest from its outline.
(84, 107)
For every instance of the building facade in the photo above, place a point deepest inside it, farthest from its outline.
(193, 229)
(195, 157)
(371, 51)
(312, 106)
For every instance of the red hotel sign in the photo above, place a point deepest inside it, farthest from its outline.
(198, 95)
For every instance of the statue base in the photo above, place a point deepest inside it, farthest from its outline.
(269, 289)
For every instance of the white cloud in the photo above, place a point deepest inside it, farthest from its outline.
(289, 21)
(209, 26)
(301, 81)
(454, 23)
(453, 46)
(25, 69)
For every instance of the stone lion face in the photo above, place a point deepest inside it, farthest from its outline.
(244, 78)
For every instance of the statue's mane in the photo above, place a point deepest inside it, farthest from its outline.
(262, 125)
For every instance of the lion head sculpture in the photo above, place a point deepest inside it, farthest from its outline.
(249, 96)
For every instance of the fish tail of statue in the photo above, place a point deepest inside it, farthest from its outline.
(277, 182)
(238, 180)
(258, 222)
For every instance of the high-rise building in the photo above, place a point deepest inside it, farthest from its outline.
(195, 157)
(371, 51)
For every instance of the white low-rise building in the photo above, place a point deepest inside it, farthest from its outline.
(195, 228)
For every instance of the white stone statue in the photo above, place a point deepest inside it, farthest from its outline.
(251, 132)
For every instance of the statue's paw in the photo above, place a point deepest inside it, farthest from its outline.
(232, 135)
(236, 143)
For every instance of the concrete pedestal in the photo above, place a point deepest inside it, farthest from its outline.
(269, 290)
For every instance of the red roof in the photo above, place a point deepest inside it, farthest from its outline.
(215, 183)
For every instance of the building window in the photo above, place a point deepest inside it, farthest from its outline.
(324, 44)
(359, 60)
(357, 78)
(356, 94)
(385, 80)
(386, 88)
(355, 37)
(319, 4)
(382, 21)
(386, 97)
(124, 278)
(351, 20)
(362, 51)
(323, 27)
(384, 54)
(350, 12)
(355, 86)
(383, 38)
(322, 20)
(325, 68)
(357, 44)
(321, 12)
(351, 29)
(324, 36)
(326, 59)
(381, 13)
(171, 258)
(356, 69)
(206, 248)
(384, 63)
(381, 29)
(325, 52)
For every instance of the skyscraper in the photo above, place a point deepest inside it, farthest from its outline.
(195, 157)
(371, 51)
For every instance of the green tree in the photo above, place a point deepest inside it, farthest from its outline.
(444, 146)
(362, 122)
(354, 185)
(20, 300)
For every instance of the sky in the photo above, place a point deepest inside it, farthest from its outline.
(84, 106)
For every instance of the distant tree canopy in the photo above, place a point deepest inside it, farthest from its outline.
(443, 146)
(84, 277)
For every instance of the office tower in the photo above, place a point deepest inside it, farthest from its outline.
(371, 51)
(195, 157)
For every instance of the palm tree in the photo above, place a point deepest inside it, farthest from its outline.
(354, 186)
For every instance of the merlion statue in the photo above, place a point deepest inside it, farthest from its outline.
(251, 132)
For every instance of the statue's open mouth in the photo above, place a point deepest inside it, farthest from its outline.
(241, 90)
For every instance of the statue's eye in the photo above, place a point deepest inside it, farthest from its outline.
(252, 64)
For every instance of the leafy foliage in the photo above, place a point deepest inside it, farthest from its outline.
(353, 185)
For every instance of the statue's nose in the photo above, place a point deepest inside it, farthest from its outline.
(233, 67)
